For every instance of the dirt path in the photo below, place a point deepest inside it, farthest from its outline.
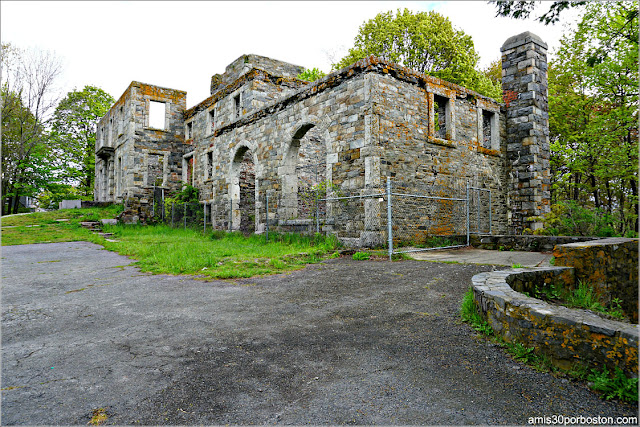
(343, 342)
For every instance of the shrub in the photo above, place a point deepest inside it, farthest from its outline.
(571, 219)
(311, 75)
(361, 256)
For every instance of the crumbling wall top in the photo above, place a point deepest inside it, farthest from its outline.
(245, 63)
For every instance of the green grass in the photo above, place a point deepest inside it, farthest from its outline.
(43, 227)
(469, 314)
(87, 214)
(219, 255)
(614, 385)
(361, 256)
(48, 233)
(162, 249)
(583, 296)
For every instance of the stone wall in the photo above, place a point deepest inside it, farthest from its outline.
(610, 266)
(359, 125)
(420, 162)
(567, 336)
(246, 63)
(529, 243)
(132, 156)
(369, 121)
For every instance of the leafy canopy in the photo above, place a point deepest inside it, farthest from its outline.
(425, 42)
(523, 9)
(593, 114)
(311, 75)
(74, 134)
(28, 96)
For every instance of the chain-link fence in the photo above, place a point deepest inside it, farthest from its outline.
(427, 217)
(178, 214)
(397, 216)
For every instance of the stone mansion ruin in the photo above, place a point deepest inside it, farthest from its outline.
(265, 132)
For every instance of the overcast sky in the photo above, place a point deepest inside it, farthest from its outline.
(181, 44)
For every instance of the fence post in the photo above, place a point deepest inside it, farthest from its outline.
(172, 204)
(153, 204)
(267, 216)
(163, 205)
(467, 207)
(317, 213)
(389, 223)
(185, 216)
(230, 214)
(490, 231)
(204, 208)
(478, 208)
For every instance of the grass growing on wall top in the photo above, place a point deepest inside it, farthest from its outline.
(220, 255)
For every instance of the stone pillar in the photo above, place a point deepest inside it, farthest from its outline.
(524, 86)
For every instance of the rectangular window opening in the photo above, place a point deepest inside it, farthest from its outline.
(189, 131)
(212, 120)
(210, 164)
(121, 122)
(156, 115)
(440, 116)
(487, 131)
(237, 105)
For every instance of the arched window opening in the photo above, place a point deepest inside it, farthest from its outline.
(305, 173)
(244, 191)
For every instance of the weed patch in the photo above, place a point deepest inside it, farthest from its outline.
(583, 296)
(99, 416)
(361, 256)
(162, 249)
(614, 385)
(469, 314)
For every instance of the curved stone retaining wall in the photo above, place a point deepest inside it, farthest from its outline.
(567, 336)
(526, 242)
(610, 266)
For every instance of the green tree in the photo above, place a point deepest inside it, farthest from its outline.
(523, 9)
(425, 42)
(311, 75)
(28, 96)
(74, 135)
(593, 113)
(493, 71)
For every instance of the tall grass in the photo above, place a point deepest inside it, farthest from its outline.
(162, 249)
(469, 313)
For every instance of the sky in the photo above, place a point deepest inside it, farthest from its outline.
(180, 45)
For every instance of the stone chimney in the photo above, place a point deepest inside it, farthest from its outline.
(524, 86)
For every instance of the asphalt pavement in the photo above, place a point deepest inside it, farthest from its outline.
(340, 342)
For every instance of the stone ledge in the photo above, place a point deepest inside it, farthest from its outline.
(489, 151)
(528, 242)
(568, 336)
(441, 142)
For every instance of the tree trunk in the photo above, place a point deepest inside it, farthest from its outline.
(634, 190)
(596, 197)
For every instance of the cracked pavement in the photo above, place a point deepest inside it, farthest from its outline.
(341, 342)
